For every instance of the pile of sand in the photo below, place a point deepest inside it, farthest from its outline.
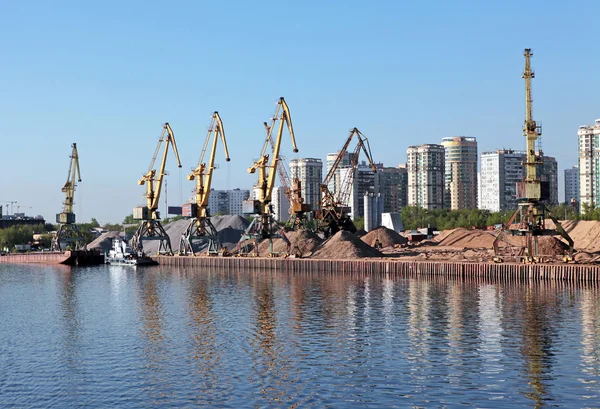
(104, 241)
(552, 246)
(585, 233)
(229, 229)
(303, 242)
(345, 245)
(387, 237)
(465, 238)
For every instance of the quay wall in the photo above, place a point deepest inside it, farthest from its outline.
(568, 272)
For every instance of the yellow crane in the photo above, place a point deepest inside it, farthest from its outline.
(529, 219)
(151, 228)
(68, 232)
(200, 226)
(263, 226)
(334, 207)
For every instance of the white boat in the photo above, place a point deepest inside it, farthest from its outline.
(121, 254)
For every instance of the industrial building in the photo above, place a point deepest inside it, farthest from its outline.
(310, 173)
(589, 164)
(227, 201)
(460, 172)
(425, 168)
(500, 172)
(572, 184)
(392, 184)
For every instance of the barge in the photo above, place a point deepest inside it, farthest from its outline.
(78, 257)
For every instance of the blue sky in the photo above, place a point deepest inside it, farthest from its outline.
(108, 74)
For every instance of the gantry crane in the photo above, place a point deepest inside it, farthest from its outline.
(529, 218)
(263, 226)
(334, 209)
(68, 232)
(151, 228)
(200, 227)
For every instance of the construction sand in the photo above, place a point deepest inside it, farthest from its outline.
(345, 245)
(302, 243)
(104, 241)
(387, 237)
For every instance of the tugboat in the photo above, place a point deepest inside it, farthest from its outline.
(122, 255)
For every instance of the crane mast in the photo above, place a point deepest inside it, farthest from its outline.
(200, 226)
(68, 232)
(529, 219)
(263, 226)
(334, 207)
(150, 227)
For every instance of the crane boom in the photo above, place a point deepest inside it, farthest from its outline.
(151, 228)
(68, 232)
(153, 187)
(200, 226)
(334, 206)
(203, 173)
(531, 130)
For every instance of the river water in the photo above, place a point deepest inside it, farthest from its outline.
(112, 336)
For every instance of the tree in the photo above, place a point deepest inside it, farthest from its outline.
(359, 222)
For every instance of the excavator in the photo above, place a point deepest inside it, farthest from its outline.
(151, 228)
(333, 213)
(529, 220)
(68, 232)
(200, 227)
(263, 226)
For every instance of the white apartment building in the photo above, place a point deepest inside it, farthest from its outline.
(425, 167)
(280, 204)
(589, 164)
(310, 173)
(227, 201)
(501, 170)
(572, 184)
(335, 182)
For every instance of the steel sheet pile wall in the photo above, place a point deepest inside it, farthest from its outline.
(570, 272)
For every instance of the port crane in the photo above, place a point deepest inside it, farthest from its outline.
(68, 233)
(150, 227)
(529, 220)
(263, 226)
(293, 191)
(333, 213)
(200, 226)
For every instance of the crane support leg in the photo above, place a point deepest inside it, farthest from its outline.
(151, 230)
(200, 230)
(66, 234)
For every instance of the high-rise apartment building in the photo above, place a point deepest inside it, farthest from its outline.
(227, 201)
(500, 172)
(310, 173)
(280, 204)
(392, 184)
(589, 164)
(460, 170)
(362, 183)
(572, 184)
(335, 181)
(425, 168)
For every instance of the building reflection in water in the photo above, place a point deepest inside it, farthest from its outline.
(455, 331)
(419, 325)
(490, 329)
(590, 341)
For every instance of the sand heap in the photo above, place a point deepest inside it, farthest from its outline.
(585, 233)
(387, 237)
(345, 245)
(465, 238)
(229, 228)
(302, 241)
(104, 241)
